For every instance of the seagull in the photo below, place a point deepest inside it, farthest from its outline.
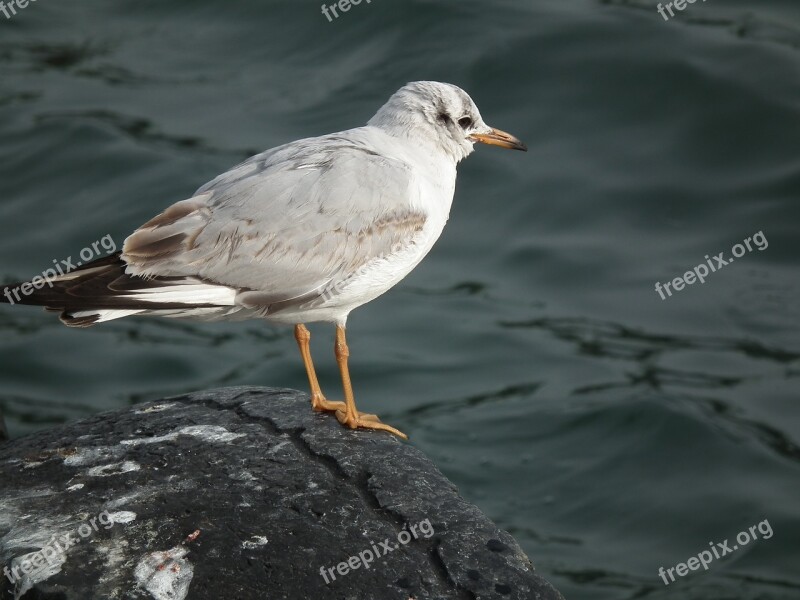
(304, 232)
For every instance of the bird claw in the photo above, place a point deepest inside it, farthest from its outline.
(320, 404)
(366, 421)
(362, 420)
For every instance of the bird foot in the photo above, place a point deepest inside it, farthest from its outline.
(321, 404)
(361, 420)
(366, 421)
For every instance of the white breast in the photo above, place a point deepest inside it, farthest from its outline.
(384, 272)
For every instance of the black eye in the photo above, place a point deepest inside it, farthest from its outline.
(444, 118)
(465, 122)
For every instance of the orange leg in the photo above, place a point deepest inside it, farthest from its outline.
(318, 401)
(348, 415)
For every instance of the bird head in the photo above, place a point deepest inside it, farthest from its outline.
(442, 114)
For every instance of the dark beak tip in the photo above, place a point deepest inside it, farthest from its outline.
(500, 138)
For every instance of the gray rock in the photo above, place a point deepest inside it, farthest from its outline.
(236, 494)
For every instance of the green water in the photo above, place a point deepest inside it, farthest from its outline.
(610, 431)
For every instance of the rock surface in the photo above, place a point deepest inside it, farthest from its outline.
(236, 494)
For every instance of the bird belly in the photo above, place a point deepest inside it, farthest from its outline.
(366, 283)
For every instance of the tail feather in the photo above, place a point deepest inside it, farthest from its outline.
(102, 291)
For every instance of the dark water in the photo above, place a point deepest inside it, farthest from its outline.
(610, 431)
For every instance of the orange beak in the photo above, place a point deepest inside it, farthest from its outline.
(499, 138)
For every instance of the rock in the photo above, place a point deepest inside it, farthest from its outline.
(241, 493)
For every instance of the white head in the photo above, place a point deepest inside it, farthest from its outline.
(429, 112)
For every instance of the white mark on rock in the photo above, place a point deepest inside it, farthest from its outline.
(46, 560)
(122, 516)
(123, 500)
(11, 506)
(244, 475)
(90, 456)
(39, 573)
(278, 446)
(166, 575)
(77, 486)
(255, 542)
(155, 408)
(207, 433)
(114, 553)
(113, 469)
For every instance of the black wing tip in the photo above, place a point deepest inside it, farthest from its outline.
(73, 321)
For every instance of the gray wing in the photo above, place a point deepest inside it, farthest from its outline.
(285, 224)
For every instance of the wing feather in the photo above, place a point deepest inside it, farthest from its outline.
(287, 223)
